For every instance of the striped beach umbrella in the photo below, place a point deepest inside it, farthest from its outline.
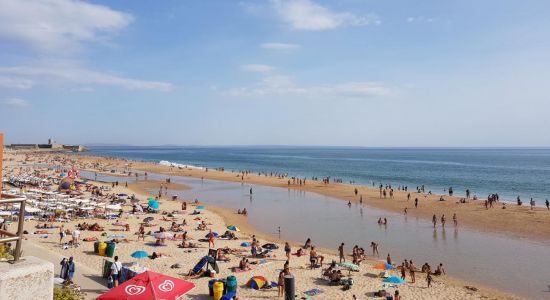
(256, 282)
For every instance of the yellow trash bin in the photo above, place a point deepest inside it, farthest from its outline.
(218, 290)
(102, 247)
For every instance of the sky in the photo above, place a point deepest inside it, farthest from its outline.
(373, 73)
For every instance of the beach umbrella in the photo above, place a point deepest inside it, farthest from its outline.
(140, 254)
(163, 235)
(394, 279)
(245, 244)
(349, 266)
(122, 195)
(148, 219)
(213, 233)
(233, 228)
(154, 204)
(200, 207)
(149, 286)
(383, 266)
(151, 199)
(256, 282)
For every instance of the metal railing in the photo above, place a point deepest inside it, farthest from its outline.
(18, 237)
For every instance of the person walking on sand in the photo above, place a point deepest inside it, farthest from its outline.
(434, 220)
(70, 271)
(62, 234)
(403, 271)
(211, 238)
(116, 271)
(429, 279)
(455, 220)
(547, 204)
(415, 202)
(412, 268)
(532, 202)
(341, 252)
(288, 250)
(281, 284)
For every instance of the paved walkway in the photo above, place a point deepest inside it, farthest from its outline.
(89, 280)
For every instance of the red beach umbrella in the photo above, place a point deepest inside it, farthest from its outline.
(149, 286)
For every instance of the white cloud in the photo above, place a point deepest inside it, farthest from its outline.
(308, 15)
(17, 102)
(58, 25)
(73, 74)
(420, 19)
(280, 46)
(257, 68)
(15, 83)
(284, 86)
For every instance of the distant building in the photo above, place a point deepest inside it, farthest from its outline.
(51, 146)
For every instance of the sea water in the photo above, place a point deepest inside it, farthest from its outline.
(508, 172)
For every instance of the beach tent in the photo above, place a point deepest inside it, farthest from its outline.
(149, 286)
(383, 266)
(256, 282)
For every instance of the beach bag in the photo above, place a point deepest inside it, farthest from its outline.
(110, 283)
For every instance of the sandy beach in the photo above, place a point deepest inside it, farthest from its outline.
(365, 281)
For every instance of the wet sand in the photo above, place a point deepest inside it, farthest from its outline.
(518, 221)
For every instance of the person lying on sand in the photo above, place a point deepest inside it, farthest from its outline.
(192, 275)
(156, 255)
(185, 244)
(220, 256)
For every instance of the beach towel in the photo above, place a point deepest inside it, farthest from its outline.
(314, 292)
(152, 244)
(116, 236)
(238, 270)
(229, 296)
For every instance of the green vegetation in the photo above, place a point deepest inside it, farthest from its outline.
(67, 293)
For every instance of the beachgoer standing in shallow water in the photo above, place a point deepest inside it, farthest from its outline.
(341, 252)
(455, 220)
(443, 220)
(429, 279)
(434, 220)
(374, 247)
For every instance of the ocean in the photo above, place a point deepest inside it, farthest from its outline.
(523, 172)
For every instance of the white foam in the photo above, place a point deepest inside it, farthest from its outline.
(172, 164)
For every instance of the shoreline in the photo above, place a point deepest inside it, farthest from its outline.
(473, 214)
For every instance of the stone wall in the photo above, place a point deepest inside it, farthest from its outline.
(30, 278)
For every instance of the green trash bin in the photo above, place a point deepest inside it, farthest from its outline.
(107, 268)
(110, 250)
(231, 284)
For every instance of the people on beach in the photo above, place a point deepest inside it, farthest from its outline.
(288, 250)
(434, 220)
(412, 270)
(341, 253)
(455, 220)
(116, 271)
(374, 247)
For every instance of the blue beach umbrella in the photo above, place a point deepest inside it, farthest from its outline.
(213, 233)
(200, 207)
(154, 204)
(394, 279)
(245, 244)
(233, 228)
(140, 254)
(122, 195)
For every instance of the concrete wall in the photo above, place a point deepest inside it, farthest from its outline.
(30, 278)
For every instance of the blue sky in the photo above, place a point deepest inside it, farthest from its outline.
(279, 72)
